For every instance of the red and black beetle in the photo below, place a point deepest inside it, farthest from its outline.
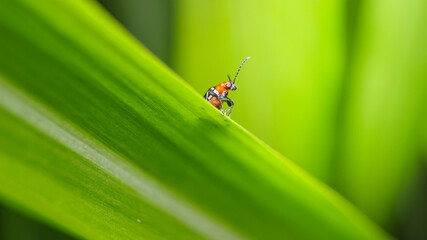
(219, 94)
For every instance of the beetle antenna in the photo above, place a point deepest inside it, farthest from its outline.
(229, 79)
(234, 80)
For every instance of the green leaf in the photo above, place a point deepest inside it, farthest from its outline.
(102, 140)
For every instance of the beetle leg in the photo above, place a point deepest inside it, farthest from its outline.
(231, 105)
(222, 107)
(231, 110)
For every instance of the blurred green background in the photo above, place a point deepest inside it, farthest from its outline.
(338, 87)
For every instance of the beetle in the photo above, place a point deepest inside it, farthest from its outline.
(219, 94)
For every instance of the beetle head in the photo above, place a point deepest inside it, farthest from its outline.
(230, 84)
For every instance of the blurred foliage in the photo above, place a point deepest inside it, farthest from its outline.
(412, 210)
(14, 225)
(339, 87)
(96, 142)
(385, 99)
(148, 20)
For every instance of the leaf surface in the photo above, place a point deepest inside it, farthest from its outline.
(102, 140)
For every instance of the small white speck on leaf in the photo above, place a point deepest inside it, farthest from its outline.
(138, 220)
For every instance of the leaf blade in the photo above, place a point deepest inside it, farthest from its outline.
(116, 96)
